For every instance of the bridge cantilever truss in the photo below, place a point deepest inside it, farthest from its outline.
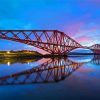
(52, 41)
(95, 48)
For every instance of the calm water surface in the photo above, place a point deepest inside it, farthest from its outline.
(72, 78)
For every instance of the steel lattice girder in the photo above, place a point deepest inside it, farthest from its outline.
(52, 41)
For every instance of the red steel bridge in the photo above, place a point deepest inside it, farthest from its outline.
(51, 41)
(95, 48)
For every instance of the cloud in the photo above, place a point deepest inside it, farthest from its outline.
(88, 37)
(74, 28)
(84, 40)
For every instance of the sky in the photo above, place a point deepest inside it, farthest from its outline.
(80, 19)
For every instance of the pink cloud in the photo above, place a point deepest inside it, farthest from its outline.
(81, 31)
(74, 28)
(83, 39)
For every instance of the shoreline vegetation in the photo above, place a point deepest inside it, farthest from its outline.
(25, 54)
(19, 54)
(33, 54)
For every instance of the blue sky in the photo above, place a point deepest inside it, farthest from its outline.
(80, 19)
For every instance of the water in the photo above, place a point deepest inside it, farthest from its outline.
(71, 78)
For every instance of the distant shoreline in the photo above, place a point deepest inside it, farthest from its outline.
(35, 54)
(19, 54)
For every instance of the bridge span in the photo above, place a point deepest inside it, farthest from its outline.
(51, 41)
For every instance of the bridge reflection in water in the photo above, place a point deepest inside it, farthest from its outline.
(96, 60)
(54, 70)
